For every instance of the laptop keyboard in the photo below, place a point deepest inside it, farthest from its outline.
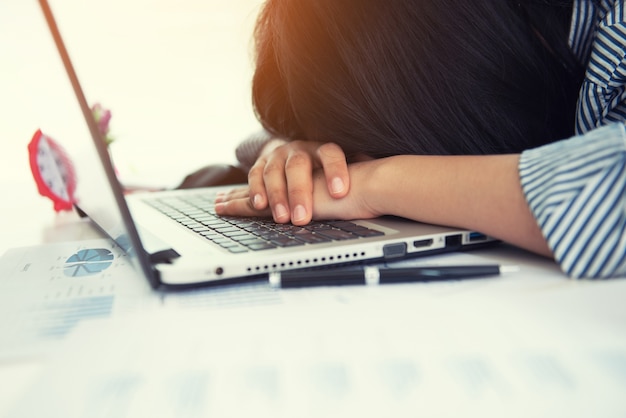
(239, 235)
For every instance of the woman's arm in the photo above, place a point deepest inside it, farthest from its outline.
(567, 198)
(481, 193)
(477, 192)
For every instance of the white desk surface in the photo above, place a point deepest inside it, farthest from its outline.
(134, 66)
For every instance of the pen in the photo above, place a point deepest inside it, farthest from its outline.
(372, 275)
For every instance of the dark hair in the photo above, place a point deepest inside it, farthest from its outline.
(387, 77)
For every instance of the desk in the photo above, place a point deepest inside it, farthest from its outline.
(530, 344)
(562, 322)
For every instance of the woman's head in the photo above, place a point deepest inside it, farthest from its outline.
(388, 77)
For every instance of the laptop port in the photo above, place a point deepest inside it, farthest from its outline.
(397, 250)
(476, 237)
(423, 243)
(454, 240)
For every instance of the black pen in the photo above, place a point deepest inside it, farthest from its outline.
(373, 275)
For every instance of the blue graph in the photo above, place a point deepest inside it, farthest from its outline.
(56, 319)
(88, 262)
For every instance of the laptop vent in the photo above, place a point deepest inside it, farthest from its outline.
(309, 262)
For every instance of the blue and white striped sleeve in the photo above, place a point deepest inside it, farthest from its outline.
(602, 97)
(576, 189)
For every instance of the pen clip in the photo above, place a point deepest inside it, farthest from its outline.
(372, 275)
(274, 279)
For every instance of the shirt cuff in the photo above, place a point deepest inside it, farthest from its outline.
(576, 190)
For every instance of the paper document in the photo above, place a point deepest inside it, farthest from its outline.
(46, 290)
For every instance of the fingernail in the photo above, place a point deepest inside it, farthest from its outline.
(219, 207)
(280, 211)
(337, 185)
(299, 213)
(256, 201)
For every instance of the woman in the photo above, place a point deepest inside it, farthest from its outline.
(447, 112)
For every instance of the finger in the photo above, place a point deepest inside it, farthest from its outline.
(236, 193)
(298, 170)
(333, 161)
(275, 185)
(256, 185)
(239, 207)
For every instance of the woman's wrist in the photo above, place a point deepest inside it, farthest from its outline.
(378, 196)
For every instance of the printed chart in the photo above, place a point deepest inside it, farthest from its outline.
(47, 290)
(88, 262)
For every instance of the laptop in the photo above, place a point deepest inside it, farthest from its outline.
(176, 240)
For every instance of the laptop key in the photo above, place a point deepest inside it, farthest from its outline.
(261, 246)
(238, 233)
(336, 234)
(367, 232)
(286, 242)
(238, 249)
(311, 238)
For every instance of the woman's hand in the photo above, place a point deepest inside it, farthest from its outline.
(280, 183)
(324, 205)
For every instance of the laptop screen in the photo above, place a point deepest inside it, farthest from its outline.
(97, 193)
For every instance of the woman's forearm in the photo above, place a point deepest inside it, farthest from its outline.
(481, 193)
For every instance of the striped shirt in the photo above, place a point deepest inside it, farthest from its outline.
(576, 188)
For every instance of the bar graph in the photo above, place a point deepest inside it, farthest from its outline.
(57, 319)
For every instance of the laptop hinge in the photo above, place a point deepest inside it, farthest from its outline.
(163, 256)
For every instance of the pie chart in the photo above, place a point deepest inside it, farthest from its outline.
(88, 262)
